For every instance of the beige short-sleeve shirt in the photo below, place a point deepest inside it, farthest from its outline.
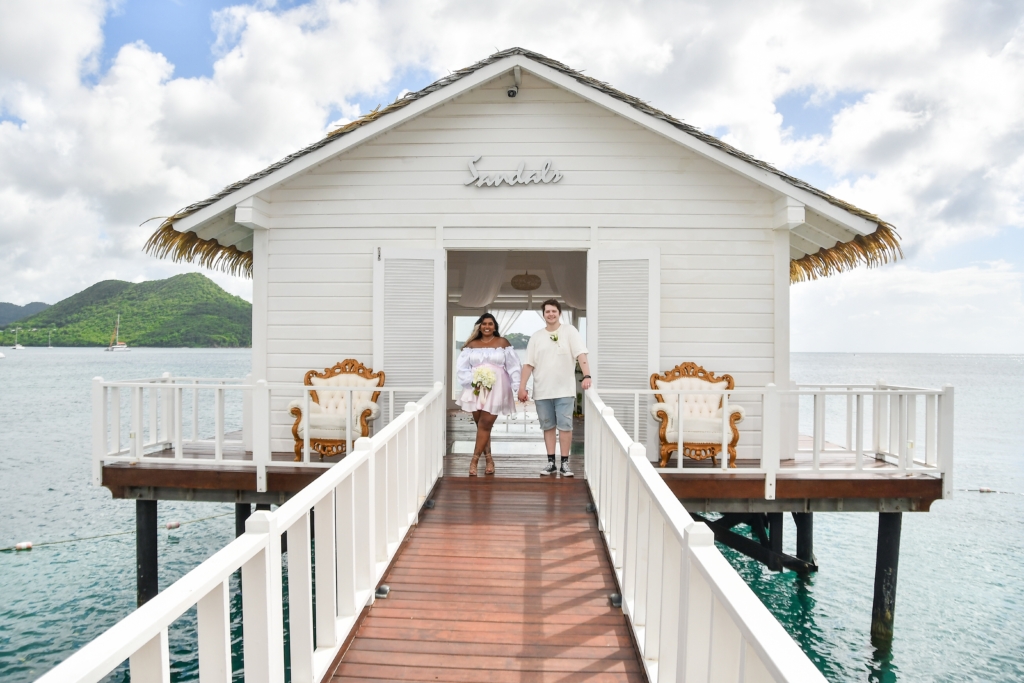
(554, 361)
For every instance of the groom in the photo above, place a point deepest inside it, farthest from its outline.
(551, 359)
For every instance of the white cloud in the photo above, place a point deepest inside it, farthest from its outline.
(979, 308)
(933, 142)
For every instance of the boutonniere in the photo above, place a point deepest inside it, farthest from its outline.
(554, 337)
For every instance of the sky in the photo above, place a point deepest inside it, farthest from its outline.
(113, 112)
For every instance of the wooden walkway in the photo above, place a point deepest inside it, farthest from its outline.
(504, 580)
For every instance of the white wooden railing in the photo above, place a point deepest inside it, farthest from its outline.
(159, 419)
(693, 617)
(361, 509)
(908, 428)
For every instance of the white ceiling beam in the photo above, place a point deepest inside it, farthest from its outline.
(211, 230)
(803, 244)
(828, 227)
(232, 237)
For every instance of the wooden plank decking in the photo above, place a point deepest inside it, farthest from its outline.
(504, 580)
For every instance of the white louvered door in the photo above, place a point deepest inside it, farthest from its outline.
(409, 290)
(624, 332)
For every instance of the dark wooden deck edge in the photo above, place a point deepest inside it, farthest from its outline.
(121, 476)
(752, 486)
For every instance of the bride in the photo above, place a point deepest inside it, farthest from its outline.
(488, 372)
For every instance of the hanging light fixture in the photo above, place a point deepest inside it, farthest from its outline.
(525, 282)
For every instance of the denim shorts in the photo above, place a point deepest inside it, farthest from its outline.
(555, 412)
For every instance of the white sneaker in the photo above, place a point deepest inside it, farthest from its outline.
(550, 469)
(565, 471)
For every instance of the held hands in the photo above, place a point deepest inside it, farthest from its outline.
(523, 397)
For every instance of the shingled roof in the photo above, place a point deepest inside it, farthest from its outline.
(874, 249)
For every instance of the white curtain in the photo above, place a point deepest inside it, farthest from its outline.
(484, 277)
(569, 271)
(505, 319)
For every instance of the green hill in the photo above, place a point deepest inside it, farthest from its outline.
(185, 310)
(12, 312)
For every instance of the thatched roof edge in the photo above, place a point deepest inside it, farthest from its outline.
(877, 248)
(880, 247)
(167, 242)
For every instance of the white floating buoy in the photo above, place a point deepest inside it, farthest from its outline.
(984, 489)
(24, 545)
(173, 525)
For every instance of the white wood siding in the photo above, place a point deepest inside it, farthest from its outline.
(713, 228)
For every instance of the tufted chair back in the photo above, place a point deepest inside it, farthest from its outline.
(334, 401)
(694, 405)
(347, 373)
(692, 377)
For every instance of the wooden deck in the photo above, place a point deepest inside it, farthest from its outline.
(504, 580)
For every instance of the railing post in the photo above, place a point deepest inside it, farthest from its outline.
(151, 663)
(263, 635)
(115, 420)
(365, 511)
(135, 438)
(771, 439)
(818, 440)
(247, 414)
(166, 410)
(179, 449)
(218, 409)
(860, 432)
(878, 417)
(945, 438)
(347, 551)
(695, 604)
(214, 639)
(300, 601)
(261, 432)
(726, 432)
(154, 431)
(99, 429)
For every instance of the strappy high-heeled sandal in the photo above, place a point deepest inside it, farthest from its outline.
(490, 463)
(472, 464)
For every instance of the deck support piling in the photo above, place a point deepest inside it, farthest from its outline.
(242, 512)
(887, 559)
(805, 536)
(147, 585)
(775, 531)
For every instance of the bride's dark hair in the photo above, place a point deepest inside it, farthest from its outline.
(477, 334)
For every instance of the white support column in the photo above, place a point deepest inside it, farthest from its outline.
(945, 436)
(99, 429)
(347, 551)
(771, 440)
(261, 432)
(260, 299)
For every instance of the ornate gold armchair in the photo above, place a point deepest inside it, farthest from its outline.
(702, 414)
(328, 411)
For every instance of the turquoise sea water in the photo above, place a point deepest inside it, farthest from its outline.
(960, 598)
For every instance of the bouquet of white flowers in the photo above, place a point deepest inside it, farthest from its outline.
(483, 378)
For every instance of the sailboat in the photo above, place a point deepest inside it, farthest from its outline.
(115, 344)
(49, 339)
(17, 346)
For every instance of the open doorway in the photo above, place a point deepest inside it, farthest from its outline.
(511, 285)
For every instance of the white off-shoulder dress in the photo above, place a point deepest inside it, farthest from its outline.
(507, 368)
